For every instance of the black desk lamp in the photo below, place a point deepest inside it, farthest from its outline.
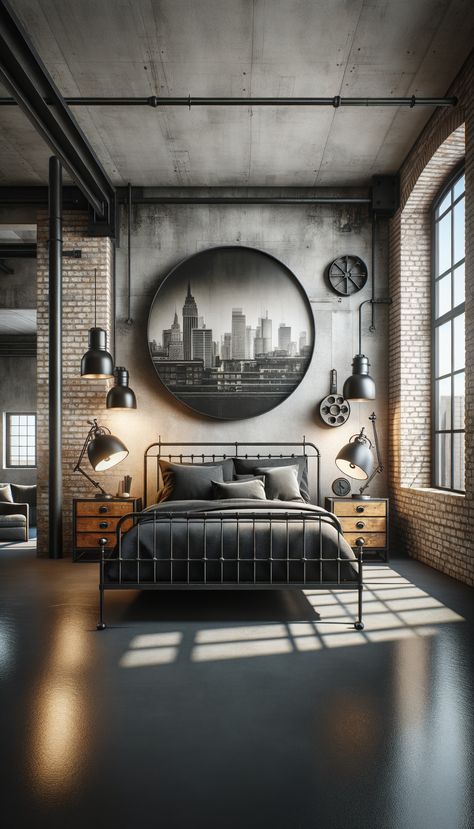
(356, 458)
(104, 450)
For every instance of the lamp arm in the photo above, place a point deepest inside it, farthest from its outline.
(379, 467)
(92, 431)
(78, 468)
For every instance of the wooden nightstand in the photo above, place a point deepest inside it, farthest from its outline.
(94, 518)
(364, 518)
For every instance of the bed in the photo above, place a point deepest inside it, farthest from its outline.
(231, 517)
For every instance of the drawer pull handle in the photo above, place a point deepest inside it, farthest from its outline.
(104, 524)
(360, 509)
(103, 509)
(359, 524)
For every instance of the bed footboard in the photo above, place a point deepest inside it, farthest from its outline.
(308, 554)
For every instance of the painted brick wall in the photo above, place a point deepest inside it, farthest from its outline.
(82, 399)
(431, 525)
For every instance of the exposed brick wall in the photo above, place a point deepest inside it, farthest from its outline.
(82, 399)
(430, 525)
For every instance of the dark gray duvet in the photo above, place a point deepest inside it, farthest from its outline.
(269, 549)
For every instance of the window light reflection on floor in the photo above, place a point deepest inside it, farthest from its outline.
(393, 609)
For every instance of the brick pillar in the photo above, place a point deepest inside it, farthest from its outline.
(82, 399)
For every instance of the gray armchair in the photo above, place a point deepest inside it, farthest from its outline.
(14, 521)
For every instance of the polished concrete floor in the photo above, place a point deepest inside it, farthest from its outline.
(234, 710)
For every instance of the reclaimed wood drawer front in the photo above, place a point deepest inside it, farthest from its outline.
(91, 540)
(360, 508)
(103, 508)
(106, 522)
(362, 524)
(370, 539)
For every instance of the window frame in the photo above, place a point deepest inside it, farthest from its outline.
(7, 427)
(436, 322)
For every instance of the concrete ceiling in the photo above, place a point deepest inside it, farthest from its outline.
(17, 321)
(240, 48)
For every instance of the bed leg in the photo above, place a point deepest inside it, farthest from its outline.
(359, 624)
(101, 624)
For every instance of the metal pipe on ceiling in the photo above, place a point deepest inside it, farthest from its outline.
(336, 101)
(247, 200)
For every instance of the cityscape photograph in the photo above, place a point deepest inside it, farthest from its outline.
(230, 332)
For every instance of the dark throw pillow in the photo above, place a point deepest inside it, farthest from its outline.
(6, 493)
(281, 483)
(188, 482)
(252, 489)
(246, 466)
(26, 494)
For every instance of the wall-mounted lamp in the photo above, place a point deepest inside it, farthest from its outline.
(360, 386)
(97, 363)
(104, 450)
(121, 396)
(356, 458)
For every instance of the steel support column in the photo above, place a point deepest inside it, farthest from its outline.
(55, 360)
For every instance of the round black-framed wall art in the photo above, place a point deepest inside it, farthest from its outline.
(231, 332)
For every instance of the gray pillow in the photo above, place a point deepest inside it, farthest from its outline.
(188, 482)
(249, 478)
(281, 483)
(246, 466)
(6, 493)
(253, 489)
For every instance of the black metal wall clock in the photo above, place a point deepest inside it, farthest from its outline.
(341, 487)
(347, 275)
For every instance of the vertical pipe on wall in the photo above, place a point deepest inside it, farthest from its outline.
(55, 359)
(129, 258)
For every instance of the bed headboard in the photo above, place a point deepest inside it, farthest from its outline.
(185, 452)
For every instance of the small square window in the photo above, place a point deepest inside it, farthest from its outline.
(20, 440)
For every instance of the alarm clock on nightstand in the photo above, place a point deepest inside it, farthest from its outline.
(341, 487)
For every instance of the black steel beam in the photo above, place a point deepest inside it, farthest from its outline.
(138, 195)
(18, 250)
(32, 87)
(55, 360)
(14, 196)
(336, 101)
(18, 345)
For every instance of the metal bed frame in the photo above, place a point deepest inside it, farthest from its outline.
(181, 558)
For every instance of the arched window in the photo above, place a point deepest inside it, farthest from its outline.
(448, 337)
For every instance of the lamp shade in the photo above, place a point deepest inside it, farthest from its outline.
(97, 363)
(360, 385)
(121, 396)
(355, 458)
(105, 451)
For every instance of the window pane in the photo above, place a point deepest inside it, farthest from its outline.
(443, 349)
(443, 460)
(459, 401)
(443, 295)
(458, 461)
(458, 284)
(444, 204)
(458, 187)
(459, 231)
(443, 403)
(459, 343)
(444, 244)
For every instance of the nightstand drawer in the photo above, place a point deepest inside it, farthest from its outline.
(370, 539)
(106, 524)
(355, 507)
(104, 507)
(363, 524)
(91, 540)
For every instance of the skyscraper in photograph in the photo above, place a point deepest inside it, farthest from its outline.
(175, 348)
(267, 335)
(226, 347)
(202, 346)
(249, 342)
(238, 334)
(190, 321)
(302, 342)
(258, 341)
(284, 337)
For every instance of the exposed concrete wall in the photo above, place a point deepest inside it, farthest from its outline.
(306, 239)
(17, 374)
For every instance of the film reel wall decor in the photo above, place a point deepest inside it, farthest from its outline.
(334, 410)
